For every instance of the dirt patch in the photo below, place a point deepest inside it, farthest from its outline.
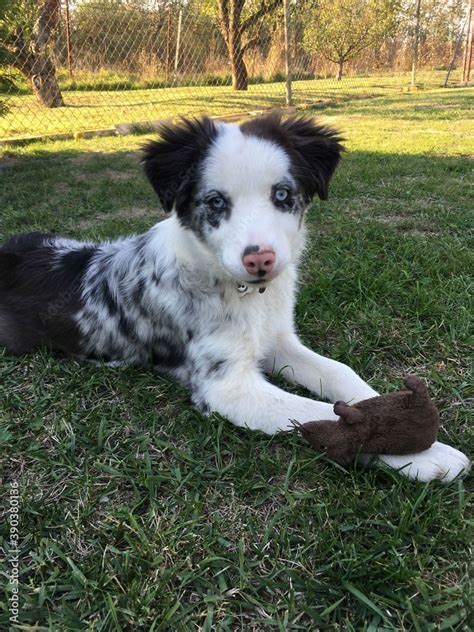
(118, 176)
(133, 212)
(85, 158)
(62, 187)
(407, 227)
(397, 222)
(110, 175)
(89, 156)
(427, 202)
(430, 106)
(391, 220)
(421, 233)
(8, 160)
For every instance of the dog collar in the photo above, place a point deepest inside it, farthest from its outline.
(244, 289)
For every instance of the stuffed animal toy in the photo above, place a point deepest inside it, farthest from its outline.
(402, 422)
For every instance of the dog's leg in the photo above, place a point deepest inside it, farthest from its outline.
(245, 398)
(326, 378)
(441, 461)
(335, 381)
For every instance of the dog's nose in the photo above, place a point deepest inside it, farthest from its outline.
(258, 262)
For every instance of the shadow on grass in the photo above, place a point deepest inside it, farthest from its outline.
(49, 185)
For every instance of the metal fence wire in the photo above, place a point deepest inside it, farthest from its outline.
(76, 65)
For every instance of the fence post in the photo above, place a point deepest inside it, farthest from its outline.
(178, 41)
(286, 12)
(68, 39)
(415, 44)
(466, 67)
(168, 42)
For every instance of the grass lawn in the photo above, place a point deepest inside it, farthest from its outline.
(136, 513)
(96, 109)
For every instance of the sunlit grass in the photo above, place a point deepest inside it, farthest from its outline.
(93, 109)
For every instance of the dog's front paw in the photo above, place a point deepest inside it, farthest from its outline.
(440, 461)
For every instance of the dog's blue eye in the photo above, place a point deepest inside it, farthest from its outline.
(217, 203)
(281, 195)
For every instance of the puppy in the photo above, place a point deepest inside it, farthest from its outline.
(207, 295)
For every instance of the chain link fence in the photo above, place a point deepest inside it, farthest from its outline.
(76, 65)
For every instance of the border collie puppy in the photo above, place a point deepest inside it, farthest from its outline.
(207, 295)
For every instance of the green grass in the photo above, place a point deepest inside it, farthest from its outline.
(96, 109)
(136, 513)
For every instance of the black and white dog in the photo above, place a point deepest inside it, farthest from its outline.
(207, 295)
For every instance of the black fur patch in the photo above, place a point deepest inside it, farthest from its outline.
(74, 263)
(107, 297)
(40, 291)
(137, 292)
(171, 164)
(203, 217)
(214, 216)
(167, 355)
(103, 357)
(314, 150)
(126, 327)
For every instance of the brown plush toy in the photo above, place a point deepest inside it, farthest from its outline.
(402, 422)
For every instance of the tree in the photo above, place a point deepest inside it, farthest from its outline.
(441, 24)
(237, 19)
(341, 29)
(26, 33)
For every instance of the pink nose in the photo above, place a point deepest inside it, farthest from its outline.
(259, 263)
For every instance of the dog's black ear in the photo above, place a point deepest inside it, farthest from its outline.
(316, 152)
(171, 163)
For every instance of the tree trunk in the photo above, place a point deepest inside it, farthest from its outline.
(31, 56)
(240, 79)
(44, 83)
(233, 27)
(235, 48)
(339, 69)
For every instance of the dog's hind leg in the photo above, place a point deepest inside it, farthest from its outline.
(16, 338)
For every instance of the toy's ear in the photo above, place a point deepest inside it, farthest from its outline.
(349, 414)
(171, 164)
(415, 385)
